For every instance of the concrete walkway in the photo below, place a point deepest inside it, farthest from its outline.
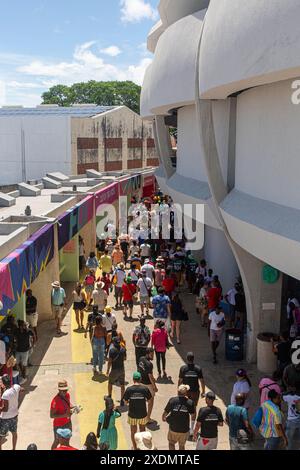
(68, 357)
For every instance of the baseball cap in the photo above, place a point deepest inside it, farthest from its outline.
(183, 389)
(241, 373)
(64, 433)
(137, 376)
(211, 396)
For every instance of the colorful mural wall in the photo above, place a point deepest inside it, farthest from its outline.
(22, 266)
(72, 221)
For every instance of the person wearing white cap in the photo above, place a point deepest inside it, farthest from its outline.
(99, 297)
(177, 414)
(58, 302)
(144, 441)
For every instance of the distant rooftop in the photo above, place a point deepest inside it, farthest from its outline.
(55, 110)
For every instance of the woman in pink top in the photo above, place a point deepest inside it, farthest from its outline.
(159, 341)
(265, 385)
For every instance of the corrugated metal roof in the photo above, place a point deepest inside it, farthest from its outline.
(79, 111)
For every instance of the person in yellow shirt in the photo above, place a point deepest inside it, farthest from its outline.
(106, 262)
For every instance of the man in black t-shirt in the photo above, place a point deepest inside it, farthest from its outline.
(190, 374)
(136, 397)
(145, 367)
(24, 342)
(177, 414)
(116, 367)
(209, 418)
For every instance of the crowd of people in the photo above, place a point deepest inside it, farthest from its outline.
(152, 274)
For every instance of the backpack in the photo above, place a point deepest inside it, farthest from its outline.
(90, 280)
(257, 418)
(143, 338)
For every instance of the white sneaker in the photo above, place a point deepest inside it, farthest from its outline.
(22, 381)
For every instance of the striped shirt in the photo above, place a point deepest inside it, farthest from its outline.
(271, 417)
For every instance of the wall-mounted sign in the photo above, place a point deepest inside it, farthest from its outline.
(270, 275)
(270, 306)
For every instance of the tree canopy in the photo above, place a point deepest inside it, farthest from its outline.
(112, 93)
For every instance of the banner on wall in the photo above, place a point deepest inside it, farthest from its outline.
(106, 203)
(107, 195)
(23, 266)
(148, 185)
(130, 186)
(72, 221)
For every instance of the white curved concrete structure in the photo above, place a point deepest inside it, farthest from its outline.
(247, 44)
(223, 71)
(154, 36)
(172, 80)
(173, 10)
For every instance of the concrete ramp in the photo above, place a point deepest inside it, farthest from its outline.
(28, 190)
(6, 200)
(57, 176)
(93, 174)
(49, 183)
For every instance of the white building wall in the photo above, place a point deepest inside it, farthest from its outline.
(268, 144)
(10, 150)
(189, 148)
(47, 147)
(220, 258)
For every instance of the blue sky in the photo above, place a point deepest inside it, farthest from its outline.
(45, 42)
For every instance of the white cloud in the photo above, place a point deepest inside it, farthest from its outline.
(112, 51)
(134, 11)
(85, 65)
(2, 93)
(23, 85)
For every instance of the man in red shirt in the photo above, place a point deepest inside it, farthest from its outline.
(129, 289)
(214, 296)
(61, 411)
(64, 436)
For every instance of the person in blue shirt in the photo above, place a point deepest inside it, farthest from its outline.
(238, 420)
(58, 302)
(162, 305)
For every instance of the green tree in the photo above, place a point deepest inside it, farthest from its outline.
(111, 93)
(58, 94)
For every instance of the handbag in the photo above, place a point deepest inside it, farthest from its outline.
(185, 316)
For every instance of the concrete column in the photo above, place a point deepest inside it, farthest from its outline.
(257, 294)
(163, 143)
(101, 154)
(144, 164)
(125, 152)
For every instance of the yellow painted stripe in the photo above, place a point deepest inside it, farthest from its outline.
(81, 347)
(90, 395)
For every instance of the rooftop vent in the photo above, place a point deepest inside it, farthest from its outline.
(87, 105)
(13, 107)
(46, 106)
